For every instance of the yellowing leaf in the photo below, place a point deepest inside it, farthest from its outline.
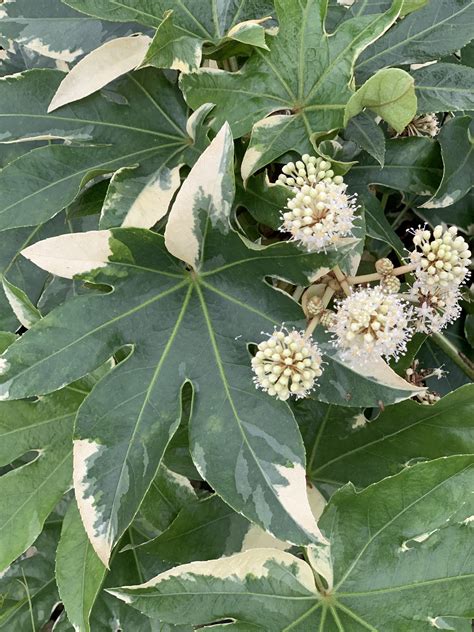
(390, 93)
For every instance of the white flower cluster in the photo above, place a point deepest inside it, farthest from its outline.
(425, 125)
(370, 323)
(321, 212)
(287, 364)
(441, 260)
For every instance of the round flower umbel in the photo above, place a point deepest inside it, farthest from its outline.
(320, 215)
(371, 324)
(441, 258)
(308, 171)
(436, 307)
(287, 364)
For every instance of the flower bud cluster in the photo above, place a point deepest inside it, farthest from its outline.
(308, 171)
(287, 364)
(441, 260)
(370, 323)
(389, 283)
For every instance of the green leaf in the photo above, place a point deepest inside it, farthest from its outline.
(202, 530)
(469, 329)
(403, 566)
(54, 30)
(413, 5)
(79, 572)
(17, 270)
(145, 122)
(390, 93)
(364, 131)
(412, 165)
(296, 75)
(41, 431)
(346, 384)
(21, 305)
(28, 592)
(444, 88)
(184, 28)
(263, 199)
(168, 494)
(343, 445)
(200, 323)
(439, 28)
(457, 147)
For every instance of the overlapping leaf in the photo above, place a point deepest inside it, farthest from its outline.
(141, 122)
(183, 326)
(439, 28)
(457, 148)
(52, 29)
(444, 88)
(304, 81)
(183, 28)
(343, 445)
(393, 570)
(36, 438)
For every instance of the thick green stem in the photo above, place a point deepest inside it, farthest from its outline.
(454, 354)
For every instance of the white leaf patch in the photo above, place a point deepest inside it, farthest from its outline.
(68, 255)
(100, 67)
(238, 567)
(153, 202)
(84, 454)
(380, 371)
(203, 190)
(294, 499)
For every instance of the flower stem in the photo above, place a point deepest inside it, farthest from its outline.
(341, 277)
(368, 278)
(454, 354)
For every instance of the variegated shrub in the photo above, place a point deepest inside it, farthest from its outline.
(236, 318)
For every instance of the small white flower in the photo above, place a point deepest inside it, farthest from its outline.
(308, 171)
(320, 215)
(436, 306)
(287, 364)
(370, 324)
(441, 258)
(3, 366)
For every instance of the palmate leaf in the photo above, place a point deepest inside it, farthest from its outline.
(54, 30)
(182, 326)
(439, 28)
(181, 35)
(343, 445)
(141, 122)
(444, 88)
(398, 547)
(41, 431)
(306, 72)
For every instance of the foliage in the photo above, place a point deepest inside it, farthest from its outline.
(236, 330)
